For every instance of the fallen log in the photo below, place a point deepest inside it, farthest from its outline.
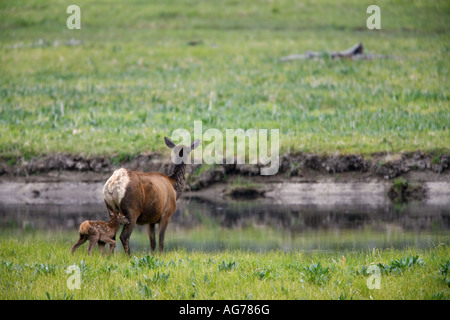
(355, 52)
(350, 52)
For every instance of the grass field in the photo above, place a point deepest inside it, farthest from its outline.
(130, 77)
(35, 266)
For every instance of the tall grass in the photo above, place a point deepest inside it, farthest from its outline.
(35, 268)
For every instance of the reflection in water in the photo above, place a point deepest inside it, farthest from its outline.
(201, 225)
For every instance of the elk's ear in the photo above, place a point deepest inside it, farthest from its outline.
(169, 143)
(195, 144)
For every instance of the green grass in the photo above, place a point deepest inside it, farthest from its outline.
(33, 267)
(134, 78)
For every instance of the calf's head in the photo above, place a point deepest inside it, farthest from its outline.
(119, 217)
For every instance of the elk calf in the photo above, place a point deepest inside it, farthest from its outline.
(100, 232)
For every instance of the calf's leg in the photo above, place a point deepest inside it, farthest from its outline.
(111, 242)
(101, 246)
(80, 241)
(92, 242)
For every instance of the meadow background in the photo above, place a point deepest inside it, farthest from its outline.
(131, 75)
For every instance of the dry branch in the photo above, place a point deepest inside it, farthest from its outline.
(355, 52)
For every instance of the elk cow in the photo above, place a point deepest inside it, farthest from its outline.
(147, 198)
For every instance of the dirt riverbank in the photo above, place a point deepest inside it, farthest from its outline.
(63, 178)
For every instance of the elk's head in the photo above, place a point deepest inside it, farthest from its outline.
(181, 152)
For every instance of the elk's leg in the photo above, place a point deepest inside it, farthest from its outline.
(162, 230)
(81, 240)
(126, 233)
(92, 242)
(151, 235)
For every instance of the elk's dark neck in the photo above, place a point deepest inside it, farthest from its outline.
(178, 177)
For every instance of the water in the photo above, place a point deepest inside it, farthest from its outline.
(257, 226)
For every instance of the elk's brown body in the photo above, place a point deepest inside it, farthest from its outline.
(147, 198)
